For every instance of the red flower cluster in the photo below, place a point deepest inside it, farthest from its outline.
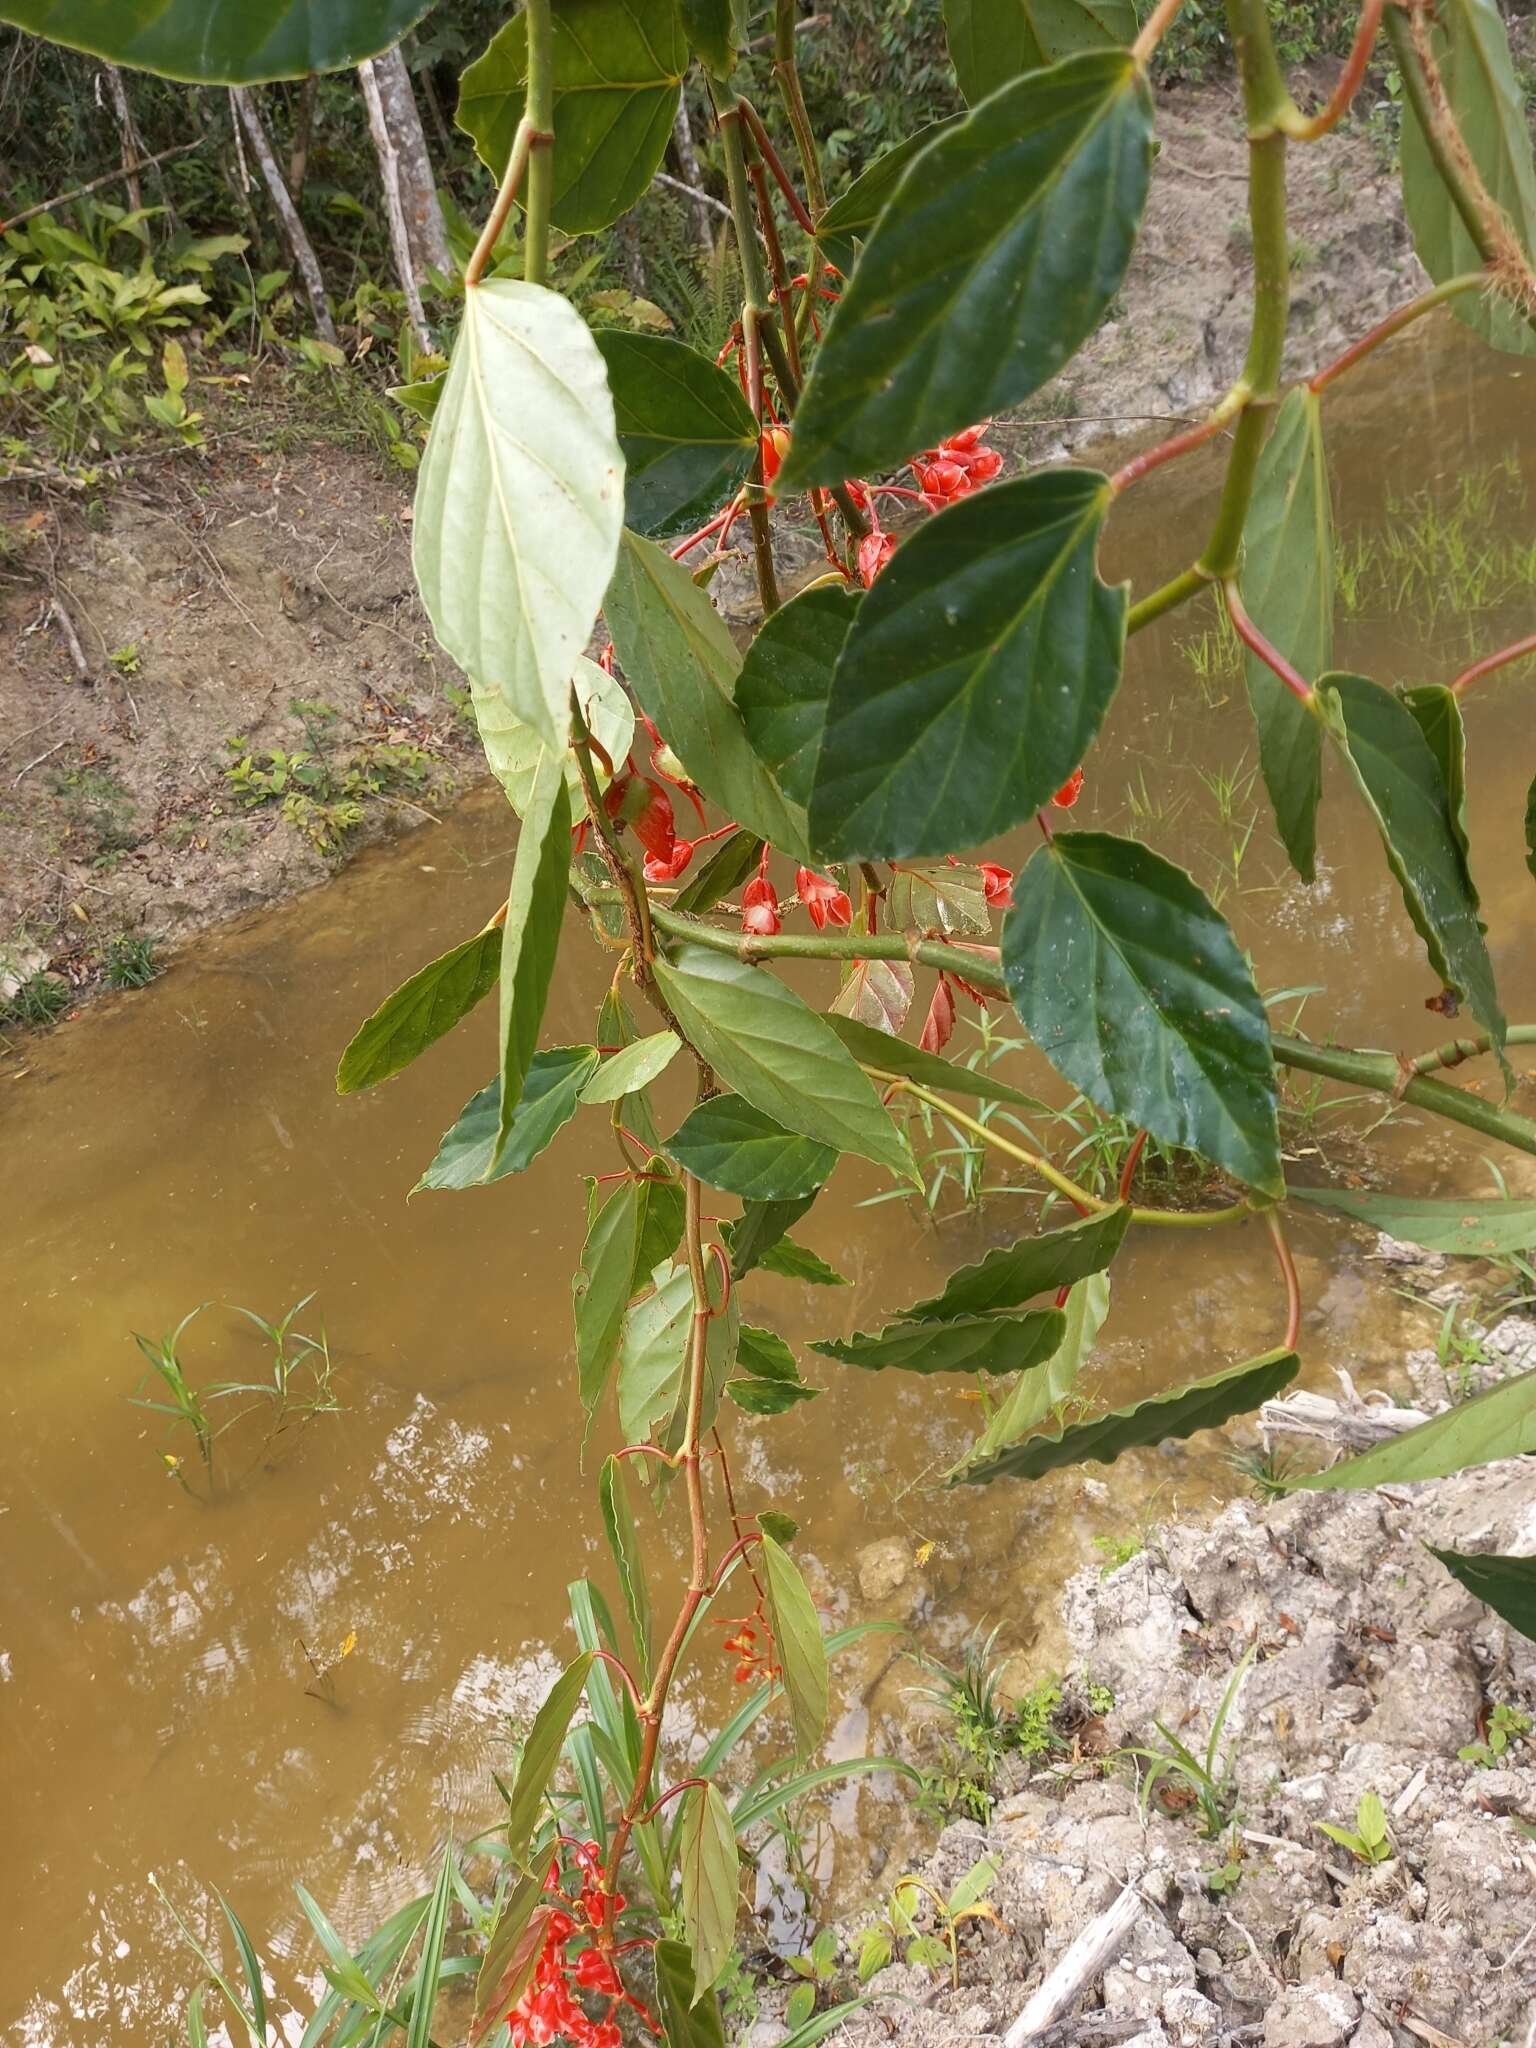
(997, 882)
(956, 467)
(760, 906)
(827, 903)
(751, 1645)
(548, 2009)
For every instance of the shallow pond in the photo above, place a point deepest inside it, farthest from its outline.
(185, 1144)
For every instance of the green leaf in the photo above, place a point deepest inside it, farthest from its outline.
(601, 1287)
(728, 1143)
(848, 220)
(684, 2024)
(687, 433)
(632, 1069)
(798, 1643)
(221, 42)
(709, 1878)
(1473, 1229)
(1287, 586)
(541, 1753)
(511, 1957)
(429, 1970)
(1530, 828)
(991, 41)
(793, 1261)
(652, 1353)
(618, 67)
(513, 750)
(345, 1972)
(992, 263)
(1398, 775)
(1136, 991)
(893, 1057)
(976, 675)
(782, 1528)
(721, 875)
(550, 1096)
(519, 500)
(1025, 1406)
(717, 32)
(768, 1397)
(990, 1344)
(767, 1045)
(761, 1227)
(1471, 44)
(420, 1011)
(1017, 1272)
(765, 1355)
(619, 1526)
(682, 664)
(785, 682)
(1500, 1423)
(250, 1964)
(1182, 1412)
(662, 1215)
(530, 938)
(1506, 1584)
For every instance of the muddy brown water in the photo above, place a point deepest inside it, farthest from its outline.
(185, 1144)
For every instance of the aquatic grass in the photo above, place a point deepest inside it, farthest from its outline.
(1442, 560)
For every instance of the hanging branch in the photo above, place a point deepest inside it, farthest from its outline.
(303, 250)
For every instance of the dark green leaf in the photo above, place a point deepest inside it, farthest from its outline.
(429, 1970)
(1474, 1229)
(764, 1042)
(686, 431)
(1437, 713)
(1400, 779)
(632, 1068)
(682, 664)
(618, 66)
(717, 32)
(848, 220)
(1136, 991)
(793, 1262)
(728, 1143)
(709, 1878)
(541, 1753)
(721, 875)
(768, 1397)
(1182, 1412)
(798, 1642)
(992, 263)
(976, 675)
(222, 42)
(684, 2024)
(765, 1355)
(1287, 584)
(893, 1056)
(1506, 1584)
(420, 1011)
(619, 1526)
(1471, 44)
(785, 682)
(1500, 1423)
(662, 1213)
(511, 1957)
(601, 1287)
(782, 1528)
(550, 1097)
(991, 41)
(761, 1227)
(530, 938)
(1016, 1272)
(990, 1344)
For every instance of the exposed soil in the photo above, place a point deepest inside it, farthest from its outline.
(246, 582)
(1374, 1667)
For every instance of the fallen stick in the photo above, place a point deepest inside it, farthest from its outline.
(1090, 1955)
(71, 639)
(145, 163)
(1352, 1424)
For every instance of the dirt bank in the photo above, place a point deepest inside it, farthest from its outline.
(210, 593)
(1372, 1669)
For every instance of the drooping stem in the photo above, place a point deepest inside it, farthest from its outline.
(1472, 280)
(1500, 658)
(1256, 643)
(1287, 1265)
(1307, 128)
(540, 117)
(786, 71)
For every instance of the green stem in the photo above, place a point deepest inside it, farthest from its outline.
(1455, 1050)
(1381, 1074)
(756, 322)
(1176, 591)
(786, 70)
(540, 116)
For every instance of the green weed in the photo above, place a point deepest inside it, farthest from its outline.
(129, 961)
(1368, 1840)
(41, 999)
(1177, 1777)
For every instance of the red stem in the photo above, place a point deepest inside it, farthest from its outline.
(730, 1499)
(1338, 102)
(683, 1785)
(1132, 1161)
(1288, 1272)
(1165, 451)
(1501, 659)
(1253, 639)
(781, 177)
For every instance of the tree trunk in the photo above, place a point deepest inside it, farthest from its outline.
(688, 164)
(132, 145)
(391, 172)
(303, 132)
(305, 261)
(418, 186)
